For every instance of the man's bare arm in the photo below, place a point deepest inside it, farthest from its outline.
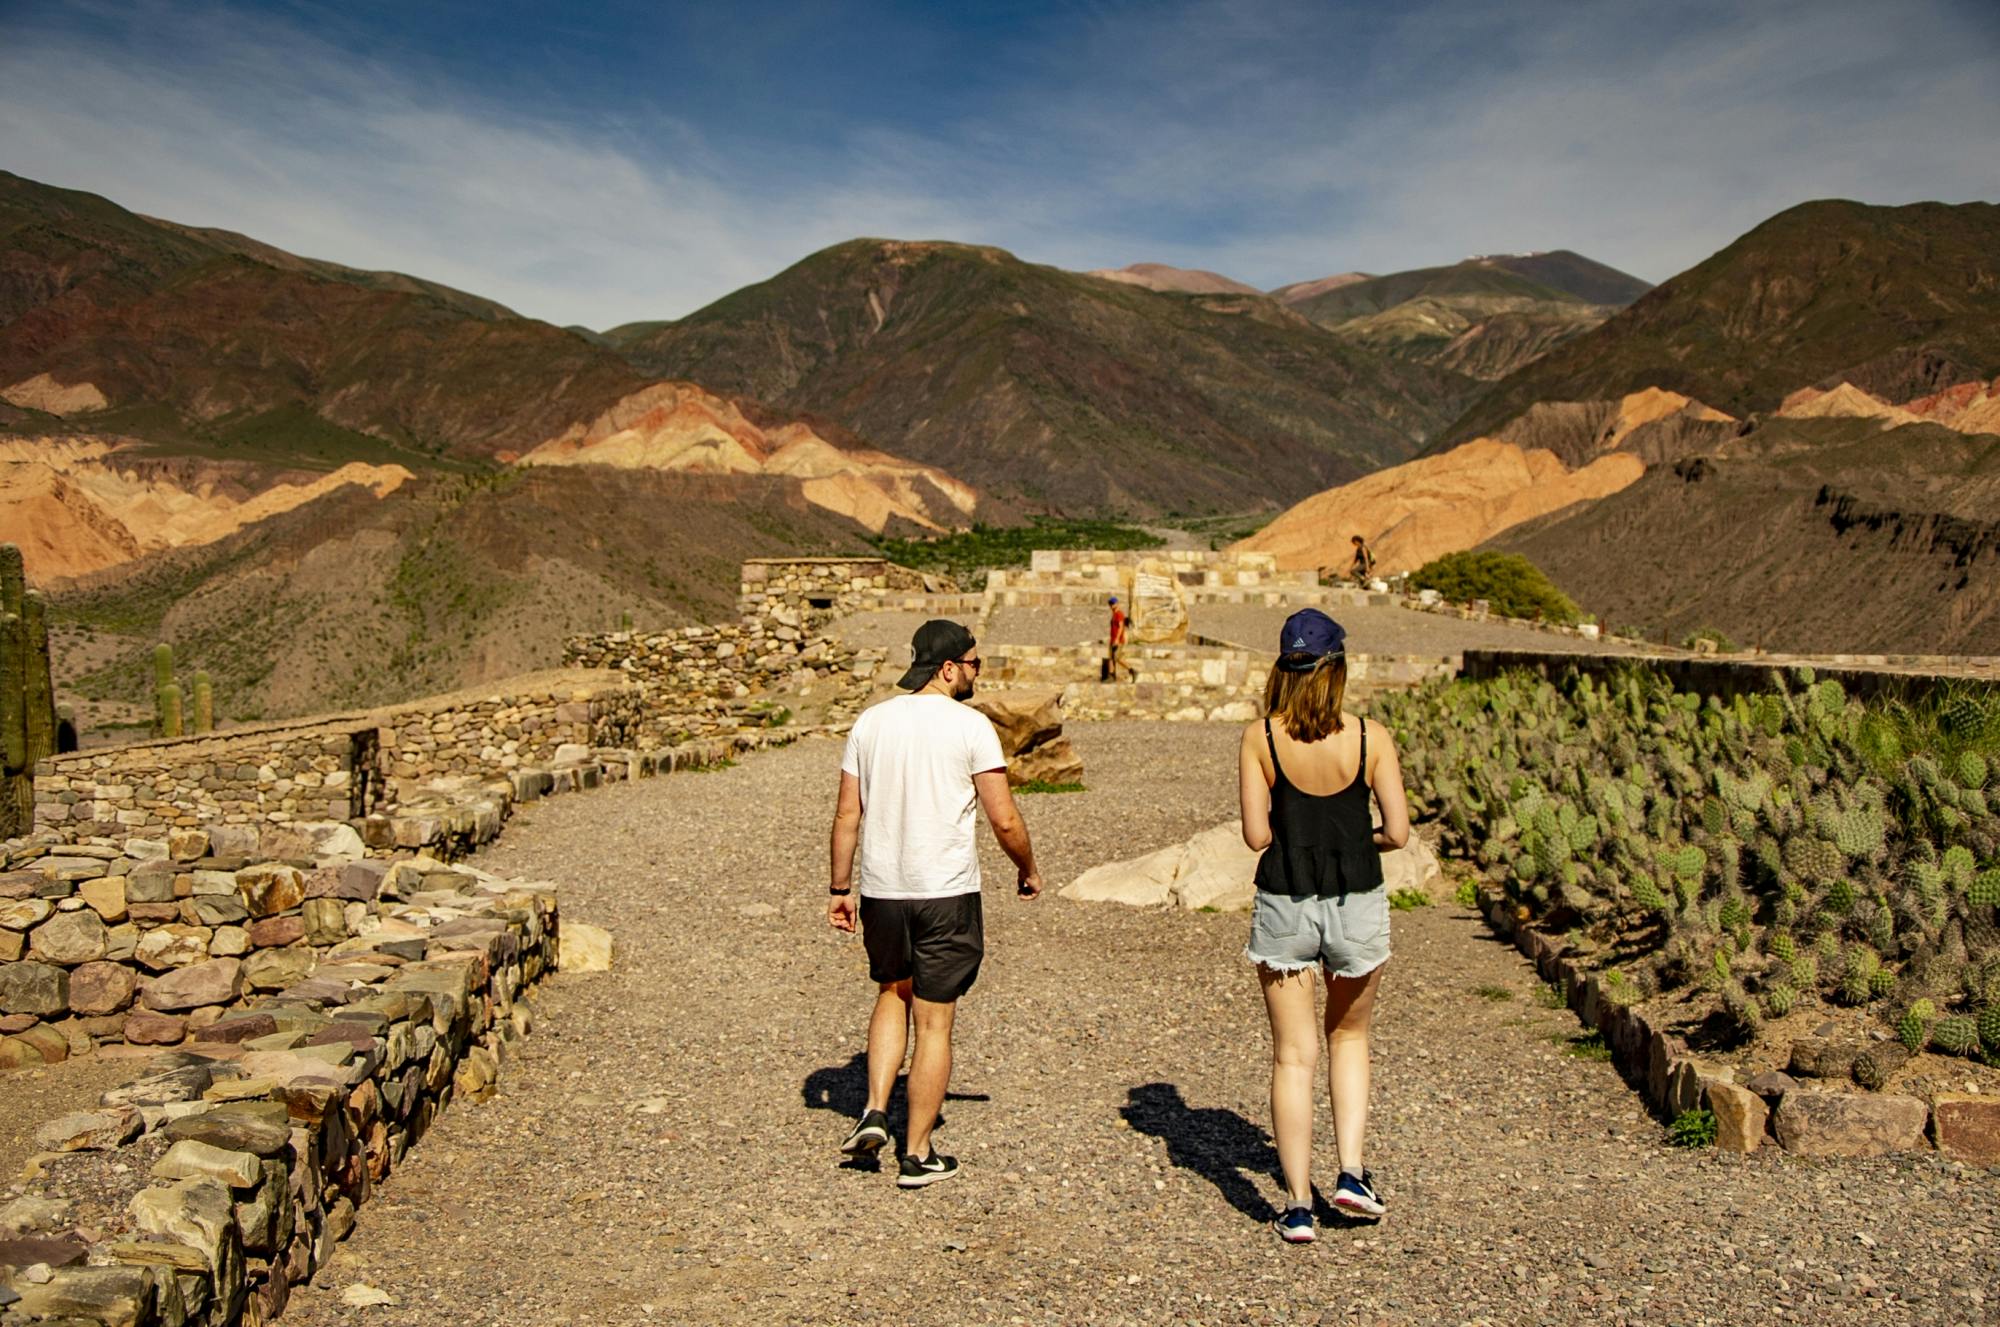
(997, 800)
(841, 907)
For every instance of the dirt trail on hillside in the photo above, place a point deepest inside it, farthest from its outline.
(662, 1150)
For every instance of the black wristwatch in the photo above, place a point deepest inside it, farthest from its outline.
(840, 893)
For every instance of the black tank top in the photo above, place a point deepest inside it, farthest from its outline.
(1321, 846)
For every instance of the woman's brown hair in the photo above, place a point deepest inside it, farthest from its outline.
(1309, 702)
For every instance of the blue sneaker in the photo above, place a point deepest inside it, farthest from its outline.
(1295, 1226)
(1356, 1196)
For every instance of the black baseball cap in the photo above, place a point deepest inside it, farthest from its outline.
(1307, 637)
(936, 644)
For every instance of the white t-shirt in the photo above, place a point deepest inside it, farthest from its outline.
(915, 756)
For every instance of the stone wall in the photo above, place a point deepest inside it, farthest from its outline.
(704, 681)
(152, 940)
(204, 1190)
(815, 590)
(331, 768)
(1191, 683)
(1059, 577)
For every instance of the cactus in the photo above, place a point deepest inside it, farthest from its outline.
(1875, 1065)
(1985, 890)
(204, 704)
(1779, 999)
(163, 682)
(1781, 946)
(1914, 1028)
(1647, 894)
(1956, 1035)
(1855, 982)
(1881, 983)
(13, 580)
(1839, 898)
(13, 690)
(1989, 1026)
(1741, 1009)
(169, 700)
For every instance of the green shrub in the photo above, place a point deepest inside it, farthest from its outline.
(1508, 582)
(1693, 1128)
(1467, 895)
(1405, 900)
(1044, 786)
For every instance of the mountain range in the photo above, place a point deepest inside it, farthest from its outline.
(259, 455)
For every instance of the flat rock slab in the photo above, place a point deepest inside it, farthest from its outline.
(1968, 1127)
(1849, 1124)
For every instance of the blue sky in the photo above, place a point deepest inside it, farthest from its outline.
(614, 161)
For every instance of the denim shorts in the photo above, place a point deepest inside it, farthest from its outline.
(1348, 935)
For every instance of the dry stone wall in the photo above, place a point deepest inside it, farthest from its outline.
(1056, 577)
(335, 768)
(226, 1174)
(811, 591)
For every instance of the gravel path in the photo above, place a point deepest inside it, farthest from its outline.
(662, 1149)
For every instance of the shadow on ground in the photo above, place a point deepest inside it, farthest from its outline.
(1219, 1145)
(843, 1090)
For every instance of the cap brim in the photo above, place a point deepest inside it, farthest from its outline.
(917, 676)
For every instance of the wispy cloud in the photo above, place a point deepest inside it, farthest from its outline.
(1274, 142)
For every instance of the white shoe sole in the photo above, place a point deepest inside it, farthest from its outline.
(928, 1177)
(1292, 1238)
(866, 1145)
(1353, 1207)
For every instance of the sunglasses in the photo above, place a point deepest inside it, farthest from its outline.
(973, 664)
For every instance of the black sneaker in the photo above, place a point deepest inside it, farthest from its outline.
(1357, 1196)
(916, 1172)
(869, 1135)
(1295, 1226)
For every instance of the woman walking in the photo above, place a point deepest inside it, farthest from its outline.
(1307, 770)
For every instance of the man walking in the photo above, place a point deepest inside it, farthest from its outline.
(1362, 569)
(916, 768)
(1118, 626)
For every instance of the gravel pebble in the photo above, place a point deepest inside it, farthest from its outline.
(662, 1148)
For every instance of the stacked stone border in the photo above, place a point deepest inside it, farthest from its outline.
(240, 1161)
(1806, 1120)
(1961, 1125)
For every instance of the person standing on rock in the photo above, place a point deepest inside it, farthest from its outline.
(1306, 772)
(916, 770)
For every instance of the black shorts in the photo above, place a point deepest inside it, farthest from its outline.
(936, 943)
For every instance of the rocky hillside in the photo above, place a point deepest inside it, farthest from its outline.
(207, 341)
(450, 580)
(1898, 301)
(1484, 317)
(1061, 390)
(1807, 534)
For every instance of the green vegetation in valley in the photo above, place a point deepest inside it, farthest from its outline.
(1508, 582)
(969, 554)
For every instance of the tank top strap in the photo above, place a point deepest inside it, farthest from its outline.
(1277, 770)
(1364, 745)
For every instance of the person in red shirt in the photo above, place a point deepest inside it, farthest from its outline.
(1118, 620)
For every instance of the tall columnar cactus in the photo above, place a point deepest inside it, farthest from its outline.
(27, 694)
(163, 681)
(204, 703)
(169, 701)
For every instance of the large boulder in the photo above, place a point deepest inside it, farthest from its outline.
(1054, 761)
(1029, 724)
(270, 888)
(1412, 866)
(1159, 609)
(96, 989)
(1023, 718)
(1142, 882)
(1219, 871)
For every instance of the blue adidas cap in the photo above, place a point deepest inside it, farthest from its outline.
(1307, 637)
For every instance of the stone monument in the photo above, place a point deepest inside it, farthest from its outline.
(1158, 608)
